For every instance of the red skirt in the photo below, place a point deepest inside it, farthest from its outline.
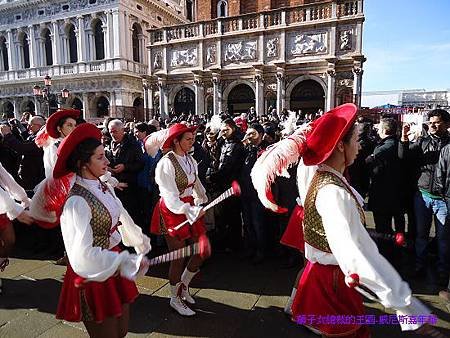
(322, 293)
(94, 301)
(163, 219)
(4, 222)
(293, 235)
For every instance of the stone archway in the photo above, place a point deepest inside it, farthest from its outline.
(307, 96)
(27, 105)
(184, 101)
(300, 79)
(138, 105)
(101, 106)
(240, 99)
(7, 109)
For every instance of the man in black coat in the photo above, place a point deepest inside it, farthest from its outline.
(385, 192)
(126, 160)
(228, 221)
(31, 169)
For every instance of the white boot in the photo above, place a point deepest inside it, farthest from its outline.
(186, 278)
(177, 303)
(287, 308)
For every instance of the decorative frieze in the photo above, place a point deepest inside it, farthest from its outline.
(311, 43)
(184, 58)
(272, 47)
(346, 40)
(240, 51)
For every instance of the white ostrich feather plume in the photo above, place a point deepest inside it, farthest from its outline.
(274, 162)
(155, 141)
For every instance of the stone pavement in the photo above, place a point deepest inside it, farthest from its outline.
(234, 299)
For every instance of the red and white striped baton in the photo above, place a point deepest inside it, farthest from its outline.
(234, 190)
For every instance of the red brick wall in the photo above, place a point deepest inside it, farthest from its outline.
(204, 8)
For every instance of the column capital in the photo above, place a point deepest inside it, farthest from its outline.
(357, 70)
(331, 72)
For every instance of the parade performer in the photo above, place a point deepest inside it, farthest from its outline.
(10, 192)
(98, 285)
(181, 193)
(336, 244)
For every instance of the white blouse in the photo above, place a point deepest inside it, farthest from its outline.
(50, 156)
(10, 192)
(165, 178)
(355, 252)
(95, 263)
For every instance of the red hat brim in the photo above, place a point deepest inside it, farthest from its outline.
(53, 120)
(327, 131)
(82, 132)
(175, 131)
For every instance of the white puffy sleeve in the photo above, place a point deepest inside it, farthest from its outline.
(8, 206)
(165, 178)
(357, 253)
(14, 189)
(92, 263)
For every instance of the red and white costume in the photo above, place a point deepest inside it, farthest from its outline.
(181, 193)
(99, 278)
(336, 244)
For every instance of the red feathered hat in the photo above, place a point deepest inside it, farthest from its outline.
(176, 130)
(82, 132)
(53, 120)
(327, 131)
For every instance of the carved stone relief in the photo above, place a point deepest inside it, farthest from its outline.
(240, 51)
(211, 54)
(346, 40)
(305, 44)
(272, 47)
(157, 61)
(184, 58)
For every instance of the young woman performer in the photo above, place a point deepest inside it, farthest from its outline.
(335, 241)
(98, 285)
(10, 192)
(181, 196)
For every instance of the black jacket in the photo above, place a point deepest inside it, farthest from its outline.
(385, 192)
(130, 154)
(251, 154)
(442, 180)
(423, 156)
(230, 163)
(31, 170)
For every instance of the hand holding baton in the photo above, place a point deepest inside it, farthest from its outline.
(234, 190)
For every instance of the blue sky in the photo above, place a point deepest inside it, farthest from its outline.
(407, 44)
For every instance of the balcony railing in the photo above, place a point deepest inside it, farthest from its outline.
(292, 16)
(74, 68)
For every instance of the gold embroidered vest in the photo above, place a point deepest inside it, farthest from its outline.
(101, 220)
(314, 232)
(181, 178)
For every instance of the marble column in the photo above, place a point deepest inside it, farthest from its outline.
(199, 96)
(280, 91)
(259, 94)
(56, 43)
(216, 95)
(357, 85)
(331, 89)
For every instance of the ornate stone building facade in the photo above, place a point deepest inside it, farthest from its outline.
(293, 54)
(94, 48)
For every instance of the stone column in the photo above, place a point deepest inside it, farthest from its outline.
(259, 94)
(280, 91)
(16, 108)
(108, 32)
(162, 95)
(32, 47)
(331, 75)
(81, 40)
(357, 85)
(151, 108)
(117, 24)
(145, 86)
(216, 94)
(86, 112)
(10, 45)
(56, 43)
(199, 96)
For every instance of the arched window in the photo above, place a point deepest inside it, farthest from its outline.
(48, 51)
(222, 9)
(99, 41)
(4, 65)
(72, 45)
(136, 37)
(190, 10)
(102, 106)
(25, 50)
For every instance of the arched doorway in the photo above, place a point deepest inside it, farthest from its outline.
(77, 104)
(102, 106)
(8, 110)
(271, 102)
(308, 96)
(28, 106)
(184, 101)
(138, 105)
(240, 99)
